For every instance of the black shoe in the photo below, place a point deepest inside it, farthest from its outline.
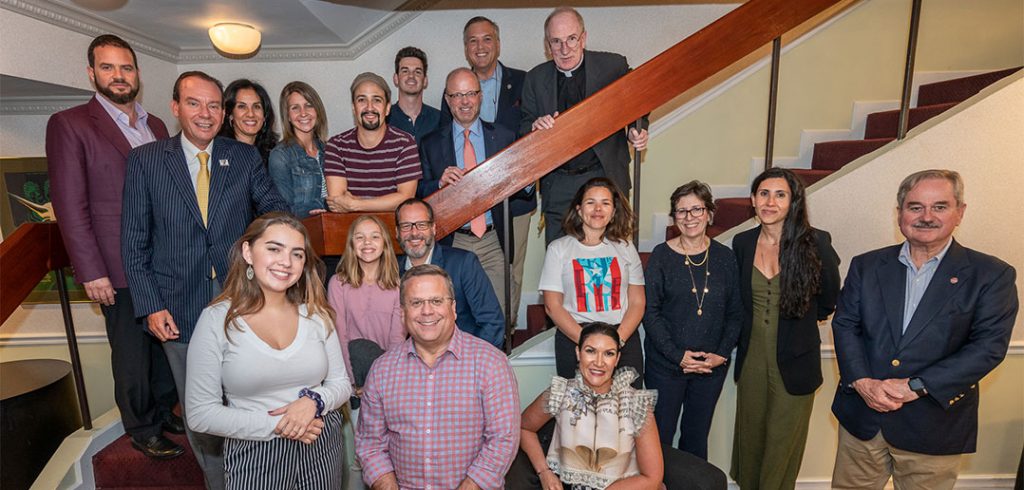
(174, 424)
(158, 447)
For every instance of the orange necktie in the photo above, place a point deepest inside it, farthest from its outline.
(477, 225)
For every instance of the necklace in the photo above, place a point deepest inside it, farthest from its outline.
(707, 279)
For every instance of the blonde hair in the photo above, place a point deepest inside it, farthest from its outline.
(349, 271)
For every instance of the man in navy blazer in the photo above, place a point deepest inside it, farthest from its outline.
(86, 148)
(442, 156)
(573, 74)
(916, 328)
(501, 94)
(476, 306)
(175, 249)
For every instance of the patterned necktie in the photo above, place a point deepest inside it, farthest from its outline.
(203, 185)
(477, 225)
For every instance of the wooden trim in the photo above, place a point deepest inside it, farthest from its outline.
(681, 67)
(32, 251)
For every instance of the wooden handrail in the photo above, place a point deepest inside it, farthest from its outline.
(674, 71)
(31, 252)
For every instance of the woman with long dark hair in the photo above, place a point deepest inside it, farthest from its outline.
(267, 346)
(250, 116)
(789, 281)
(594, 274)
(692, 321)
(297, 164)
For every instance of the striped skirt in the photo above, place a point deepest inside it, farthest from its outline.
(284, 464)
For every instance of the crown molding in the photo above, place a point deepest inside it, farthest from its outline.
(40, 106)
(84, 22)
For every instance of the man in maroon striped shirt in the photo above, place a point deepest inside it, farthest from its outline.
(372, 167)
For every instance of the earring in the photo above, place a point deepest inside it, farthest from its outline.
(249, 273)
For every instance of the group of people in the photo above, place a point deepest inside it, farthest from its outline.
(212, 294)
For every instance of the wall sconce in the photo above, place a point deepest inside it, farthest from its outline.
(234, 38)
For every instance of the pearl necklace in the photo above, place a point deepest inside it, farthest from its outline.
(707, 276)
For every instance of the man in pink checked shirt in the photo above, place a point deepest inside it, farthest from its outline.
(441, 410)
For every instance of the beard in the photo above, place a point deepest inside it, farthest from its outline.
(369, 126)
(122, 98)
(428, 244)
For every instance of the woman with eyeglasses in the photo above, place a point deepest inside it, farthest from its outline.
(364, 295)
(692, 321)
(250, 116)
(297, 164)
(266, 347)
(789, 281)
(594, 274)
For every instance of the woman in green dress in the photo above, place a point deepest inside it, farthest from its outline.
(789, 281)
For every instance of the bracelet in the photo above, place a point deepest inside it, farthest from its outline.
(312, 395)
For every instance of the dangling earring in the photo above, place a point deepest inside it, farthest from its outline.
(249, 273)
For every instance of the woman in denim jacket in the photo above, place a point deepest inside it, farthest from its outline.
(297, 164)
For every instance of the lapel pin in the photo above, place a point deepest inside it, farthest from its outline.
(953, 280)
(509, 86)
(224, 162)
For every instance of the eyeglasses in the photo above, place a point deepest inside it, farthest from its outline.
(462, 95)
(570, 42)
(694, 212)
(417, 303)
(420, 225)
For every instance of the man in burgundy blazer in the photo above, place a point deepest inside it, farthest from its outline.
(86, 148)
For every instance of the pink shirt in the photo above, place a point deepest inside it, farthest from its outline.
(367, 312)
(435, 426)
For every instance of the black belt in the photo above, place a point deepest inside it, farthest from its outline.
(467, 231)
(578, 171)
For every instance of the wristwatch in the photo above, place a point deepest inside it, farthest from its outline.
(917, 386)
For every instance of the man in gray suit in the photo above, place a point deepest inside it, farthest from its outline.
(572, 75)
(186, 200)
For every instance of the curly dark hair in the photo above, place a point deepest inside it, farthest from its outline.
(799, 263)
(620, 228)
(266, 139)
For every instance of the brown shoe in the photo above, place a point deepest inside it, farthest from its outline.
(158, 447)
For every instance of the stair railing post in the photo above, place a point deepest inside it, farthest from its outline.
(76, 360)
(637, 159)
(908, 70)
(773, 99)
(507, 237)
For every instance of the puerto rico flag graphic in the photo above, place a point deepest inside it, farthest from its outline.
(598, 284)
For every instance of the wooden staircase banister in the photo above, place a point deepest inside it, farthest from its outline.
(656, 82)
(31, 252)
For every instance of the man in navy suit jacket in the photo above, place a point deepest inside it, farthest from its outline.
(501, 94)
(86, 148)
(916, 328)
(175, 252)
(476, 306)
(442, 156)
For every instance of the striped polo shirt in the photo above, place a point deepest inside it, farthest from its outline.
(373, 172)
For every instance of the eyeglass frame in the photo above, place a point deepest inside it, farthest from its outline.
(436, 302)
(419, 225)
(571, 42)
(696, 212)
(462, 95)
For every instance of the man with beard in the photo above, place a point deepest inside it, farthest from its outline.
(372, 167)
(409, 113)
(86, 147)
(477, 308)
(916, 328)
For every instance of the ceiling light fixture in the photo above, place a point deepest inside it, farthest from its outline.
(234, 38)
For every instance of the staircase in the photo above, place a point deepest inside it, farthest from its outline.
(881, 128)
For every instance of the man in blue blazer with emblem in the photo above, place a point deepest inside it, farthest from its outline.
(916, 328)
(186, 200)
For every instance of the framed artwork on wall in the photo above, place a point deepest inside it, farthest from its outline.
(25, 191)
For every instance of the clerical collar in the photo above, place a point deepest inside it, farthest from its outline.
(570, 73)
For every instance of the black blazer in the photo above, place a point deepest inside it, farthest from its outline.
(958, 334)
(510, 98)
(540, 98)
(799, 344)
(437, 152)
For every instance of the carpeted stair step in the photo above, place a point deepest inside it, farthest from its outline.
(960, 89)
(810, 176)
(833, 155)
(883, 124)
(120, 466)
